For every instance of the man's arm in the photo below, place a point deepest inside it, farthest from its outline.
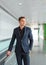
(11, 43)
(30, 39)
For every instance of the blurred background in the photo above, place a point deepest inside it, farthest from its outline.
(35, 13)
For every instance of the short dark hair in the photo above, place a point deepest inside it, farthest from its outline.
(20, 18)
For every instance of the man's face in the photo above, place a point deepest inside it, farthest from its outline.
(22, 22)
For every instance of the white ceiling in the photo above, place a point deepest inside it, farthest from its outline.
(33, 10)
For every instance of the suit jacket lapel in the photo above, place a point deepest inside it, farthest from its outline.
(24, 33)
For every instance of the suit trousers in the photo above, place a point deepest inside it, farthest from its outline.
(25, 57)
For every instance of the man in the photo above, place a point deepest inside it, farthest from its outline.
(23, 34)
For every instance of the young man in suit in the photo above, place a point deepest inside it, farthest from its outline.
(23, 34)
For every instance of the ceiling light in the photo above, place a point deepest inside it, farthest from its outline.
(20, 4)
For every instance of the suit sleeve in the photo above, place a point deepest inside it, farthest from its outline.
(12, 41)
(30, 39)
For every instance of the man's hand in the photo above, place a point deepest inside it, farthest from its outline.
(30, 52)
(8, 53)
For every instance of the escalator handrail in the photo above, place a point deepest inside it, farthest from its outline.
(5, 47)
(5, 39)
(3, 58)
(3, 50)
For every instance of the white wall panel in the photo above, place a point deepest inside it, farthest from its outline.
(7, 24)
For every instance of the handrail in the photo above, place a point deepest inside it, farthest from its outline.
(1, 52)
(5, 39)
(3, 58)
(5, 47)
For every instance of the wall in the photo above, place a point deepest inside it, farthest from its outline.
(44, 46)
(7, 24)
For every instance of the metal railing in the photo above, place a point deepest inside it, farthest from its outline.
(3, 55)
(3, 58)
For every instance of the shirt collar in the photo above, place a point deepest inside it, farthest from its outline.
(22, 29)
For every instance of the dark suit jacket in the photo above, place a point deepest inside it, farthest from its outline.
(24, 41)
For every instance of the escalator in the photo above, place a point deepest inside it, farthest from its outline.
(10, 60)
